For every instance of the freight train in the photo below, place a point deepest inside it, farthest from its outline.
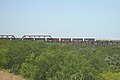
(48, 38)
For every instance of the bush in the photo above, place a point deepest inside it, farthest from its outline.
(3, 57)
(57, 65)
(54, 61)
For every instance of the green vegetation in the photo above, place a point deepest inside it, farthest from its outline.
(38, 60)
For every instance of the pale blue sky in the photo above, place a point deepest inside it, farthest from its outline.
(61, 18)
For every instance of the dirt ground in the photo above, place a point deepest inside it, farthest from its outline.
(4, 75)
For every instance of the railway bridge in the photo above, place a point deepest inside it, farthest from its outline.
(49, 38)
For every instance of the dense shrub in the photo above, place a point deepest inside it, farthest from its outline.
(3, 57)
(57, 65)
(54, 61)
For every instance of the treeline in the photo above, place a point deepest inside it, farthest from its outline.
(37, 60)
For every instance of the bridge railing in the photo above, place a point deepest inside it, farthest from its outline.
(10, 37)
(36, 37)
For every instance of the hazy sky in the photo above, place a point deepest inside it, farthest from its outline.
(61, 18)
